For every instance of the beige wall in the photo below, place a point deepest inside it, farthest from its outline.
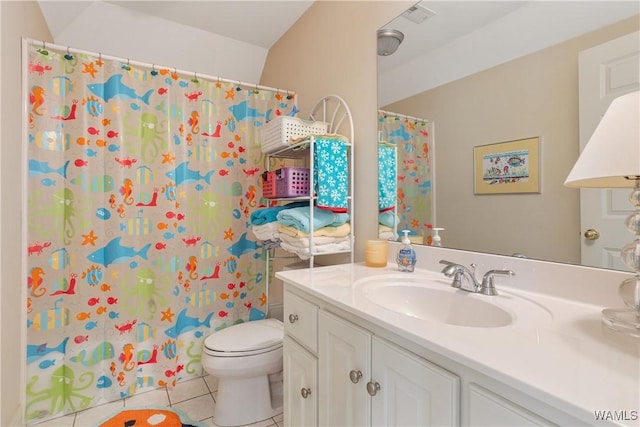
(332, 50)
(536, 95)
(18, 19)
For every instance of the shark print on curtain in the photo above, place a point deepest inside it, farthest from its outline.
(413, 140)
(141, 182)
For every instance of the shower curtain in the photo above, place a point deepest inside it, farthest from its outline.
(413, 140)
(140, 186)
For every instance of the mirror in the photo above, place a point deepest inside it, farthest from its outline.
(482, 73)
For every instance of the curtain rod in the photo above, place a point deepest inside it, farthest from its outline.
(154, 66)
(417, 119)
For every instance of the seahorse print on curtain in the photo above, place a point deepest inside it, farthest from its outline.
(140, 186)
(414, 142)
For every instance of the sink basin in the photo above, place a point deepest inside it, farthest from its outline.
(432, 299)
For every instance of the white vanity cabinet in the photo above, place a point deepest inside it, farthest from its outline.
(349, 377)
(365, 380)
(367, 364)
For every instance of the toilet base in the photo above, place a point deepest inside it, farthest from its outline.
(234, 407)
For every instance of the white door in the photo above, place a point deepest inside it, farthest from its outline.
(606, 72)
(412, 391)
(344, 357)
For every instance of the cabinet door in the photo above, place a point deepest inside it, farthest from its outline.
(344, 354)
(300, 385)
(489, 409)
(413, 391)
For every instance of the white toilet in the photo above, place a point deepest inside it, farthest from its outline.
(247, 360)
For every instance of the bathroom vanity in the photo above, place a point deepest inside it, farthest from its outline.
(372, 346)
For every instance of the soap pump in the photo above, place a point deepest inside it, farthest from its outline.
(437, 240)
(406, 258)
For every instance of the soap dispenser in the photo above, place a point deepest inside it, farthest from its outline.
(437, 240)
(406, 258)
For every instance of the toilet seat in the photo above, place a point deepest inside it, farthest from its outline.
(246, 339)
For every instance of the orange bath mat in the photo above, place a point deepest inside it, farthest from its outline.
(149, 417)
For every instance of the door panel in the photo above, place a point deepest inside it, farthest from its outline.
(606, 72)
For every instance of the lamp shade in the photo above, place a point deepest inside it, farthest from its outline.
(612, 155)
(388, 41)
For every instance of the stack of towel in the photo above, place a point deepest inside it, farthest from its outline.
(264, 221)
(292, 228)
(329, 231)
(387, 222)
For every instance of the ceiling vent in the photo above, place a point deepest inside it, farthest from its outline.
(418, 13)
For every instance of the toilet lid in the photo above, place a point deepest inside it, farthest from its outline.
(247, 337)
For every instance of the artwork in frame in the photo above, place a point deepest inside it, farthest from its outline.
(507, 167)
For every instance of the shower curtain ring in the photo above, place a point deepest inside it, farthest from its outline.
(68, 56)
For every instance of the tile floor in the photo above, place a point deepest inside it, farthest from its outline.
(195, 397)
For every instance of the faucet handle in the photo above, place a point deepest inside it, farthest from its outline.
(488, 287)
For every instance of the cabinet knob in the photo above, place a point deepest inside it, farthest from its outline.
(305, 392)
(373, 388)
(293, 318)
(355, 376)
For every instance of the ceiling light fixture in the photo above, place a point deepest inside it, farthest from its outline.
(388, 41)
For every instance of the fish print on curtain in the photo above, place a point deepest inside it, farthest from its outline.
(141, 183)
(412, 138)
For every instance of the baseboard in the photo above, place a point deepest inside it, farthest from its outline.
(276, 311)
(16, 419)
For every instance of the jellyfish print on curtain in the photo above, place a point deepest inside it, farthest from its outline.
(140, 185)
(413, 141)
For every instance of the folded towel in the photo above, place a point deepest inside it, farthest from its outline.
(330, 247)
(270, 244)
(300, 218)
(331, 172)
(339, 231)
(268, 231)
(388, 218)
(265, 215)
(387, 178)
(388, 235)
(304, 242)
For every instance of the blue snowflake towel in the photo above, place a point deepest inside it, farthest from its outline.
(387, 180)
(331, 172)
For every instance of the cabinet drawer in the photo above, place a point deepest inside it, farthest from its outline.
(301, 320)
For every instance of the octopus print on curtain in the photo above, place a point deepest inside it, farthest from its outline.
(141, 183)
(413, 140)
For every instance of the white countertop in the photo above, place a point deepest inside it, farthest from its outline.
(569, 360)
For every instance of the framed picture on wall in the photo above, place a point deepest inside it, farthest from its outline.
(507, 167)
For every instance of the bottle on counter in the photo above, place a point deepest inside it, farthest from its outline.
(406, 257)
(436, 240)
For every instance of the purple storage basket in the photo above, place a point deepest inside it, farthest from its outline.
(292, 182)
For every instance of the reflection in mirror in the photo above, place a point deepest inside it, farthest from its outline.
(405, 176)
(510, 75)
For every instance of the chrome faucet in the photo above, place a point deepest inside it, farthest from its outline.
(464, 276)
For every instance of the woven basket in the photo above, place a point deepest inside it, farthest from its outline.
(279, 132)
